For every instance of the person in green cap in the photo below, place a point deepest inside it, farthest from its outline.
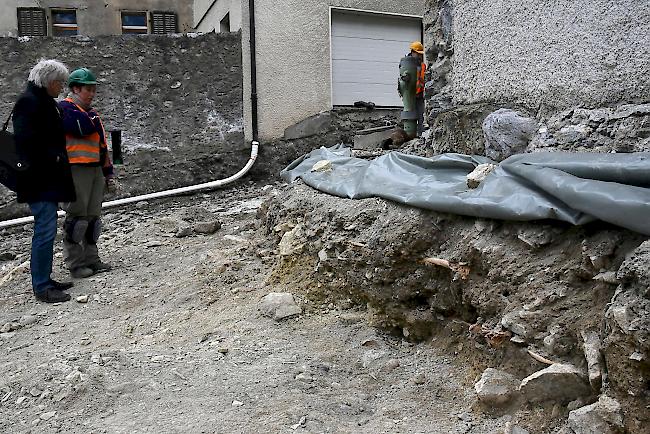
(92, 173)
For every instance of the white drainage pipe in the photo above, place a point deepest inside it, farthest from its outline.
(159, 194)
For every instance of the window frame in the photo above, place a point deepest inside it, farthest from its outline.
(146, 27)
(164, 14)
(43, 23)
(64, 26)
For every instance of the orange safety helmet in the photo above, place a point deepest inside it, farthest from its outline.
(417, 47)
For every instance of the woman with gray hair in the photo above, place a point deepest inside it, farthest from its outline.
(40, 141)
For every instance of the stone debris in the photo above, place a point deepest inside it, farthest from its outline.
(592, 347)
(82, 299)
(322, 166)
(479, 174)
(496, 388)
(236, 403)
(26, 320)
(292, 242)
(301, 422)
(602, 417)
(506, 133)
(47, 416)
(279, 306)
(10, 327)
(208, 227)
(558, 382)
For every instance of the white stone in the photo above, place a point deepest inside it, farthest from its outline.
(496, 388)
(49, 415)
(479, 174)
(82, 299)
(279, 306)
(560, 382)
(322, 166)
(602, 417)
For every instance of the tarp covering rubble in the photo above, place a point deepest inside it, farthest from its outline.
(573, 187)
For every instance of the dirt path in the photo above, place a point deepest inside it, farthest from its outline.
(172, 341)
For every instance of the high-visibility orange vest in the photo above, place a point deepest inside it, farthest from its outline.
(86, 149)
(420, 85)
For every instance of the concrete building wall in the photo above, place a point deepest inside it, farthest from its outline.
(95, 17)
(293, 57)
(555, 54)
(209, 13)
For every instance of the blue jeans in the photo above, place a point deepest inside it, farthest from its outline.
(42, 244)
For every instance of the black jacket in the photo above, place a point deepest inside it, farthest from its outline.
(40, 140)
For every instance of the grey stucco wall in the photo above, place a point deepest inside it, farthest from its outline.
(177, 100)
(551, 54)
(96, 17)
(293, 57)
(209, 13)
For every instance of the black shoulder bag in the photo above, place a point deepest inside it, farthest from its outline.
(10, 162)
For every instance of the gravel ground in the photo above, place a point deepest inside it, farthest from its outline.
(172, 341)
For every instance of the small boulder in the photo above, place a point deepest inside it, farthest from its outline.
(279, 306)
(207, 227)
(479, 174)
(602, 417)
(496, 388)
(507, 133)
(559, 382)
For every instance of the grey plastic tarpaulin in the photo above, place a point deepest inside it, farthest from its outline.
(573, 187)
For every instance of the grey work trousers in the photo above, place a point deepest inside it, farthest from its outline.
(89, 185)
(419, 108)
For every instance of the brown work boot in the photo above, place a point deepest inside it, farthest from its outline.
(81, 272)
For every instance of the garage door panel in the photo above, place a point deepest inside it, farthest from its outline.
(375, 26)
(381, 94)
(365, 54)
(364, 72)
(369, 49)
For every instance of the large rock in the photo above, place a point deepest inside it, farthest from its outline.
(507, 132)
(311, 126)
(602, 417)
(496, 388)
(279, 305)
(558, 382)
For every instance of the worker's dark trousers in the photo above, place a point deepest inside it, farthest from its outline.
(419, 108)
(89, 185)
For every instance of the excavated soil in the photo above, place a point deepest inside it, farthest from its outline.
(172, 341)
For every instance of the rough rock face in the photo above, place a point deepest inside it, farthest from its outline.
(176, 99)
(514, 286)
(602, 417)
(627, 343)
(507, 132)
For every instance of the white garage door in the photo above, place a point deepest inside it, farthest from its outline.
(366, 49)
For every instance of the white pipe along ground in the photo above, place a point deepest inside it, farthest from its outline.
(159, 194)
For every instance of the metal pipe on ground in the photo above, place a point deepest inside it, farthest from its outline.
(159, 194)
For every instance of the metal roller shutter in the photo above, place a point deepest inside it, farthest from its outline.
(366, 49)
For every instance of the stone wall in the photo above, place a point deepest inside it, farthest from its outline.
(177, 99)
(542, 59)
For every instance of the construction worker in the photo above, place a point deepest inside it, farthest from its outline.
(92, 172)
(417, 50)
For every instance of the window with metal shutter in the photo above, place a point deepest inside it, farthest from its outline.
(163, 22)
(31, 22)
